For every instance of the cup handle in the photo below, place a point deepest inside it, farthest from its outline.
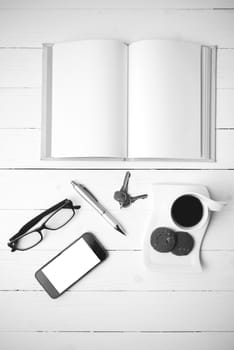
(211, 204)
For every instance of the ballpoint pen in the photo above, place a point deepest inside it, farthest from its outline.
(93, 201)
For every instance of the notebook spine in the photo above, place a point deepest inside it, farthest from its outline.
(46, 119)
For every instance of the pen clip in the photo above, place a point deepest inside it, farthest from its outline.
(90, 193)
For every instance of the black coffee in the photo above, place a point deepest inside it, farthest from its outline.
(187, 211)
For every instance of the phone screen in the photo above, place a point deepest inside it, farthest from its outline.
(70, 265)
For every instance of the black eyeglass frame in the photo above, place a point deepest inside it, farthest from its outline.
(25, 230)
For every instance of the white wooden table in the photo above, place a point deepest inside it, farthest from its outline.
(121, 304)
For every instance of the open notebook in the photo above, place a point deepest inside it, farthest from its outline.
(149, 99)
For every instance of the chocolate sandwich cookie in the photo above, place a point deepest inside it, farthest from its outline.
(163, 239)
(184, 243)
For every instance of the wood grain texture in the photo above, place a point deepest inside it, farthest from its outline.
(118, 311)
(116, 340)
(38, 189)
(121, 305)
(120, 4)
(20, 67)
(20, 108)
(123, 271)
(23, 27)
(18, 143)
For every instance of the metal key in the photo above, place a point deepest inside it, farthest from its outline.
(123, 197)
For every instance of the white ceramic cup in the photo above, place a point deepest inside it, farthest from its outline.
(203, 206)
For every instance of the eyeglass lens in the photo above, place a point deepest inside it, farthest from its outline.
(29, 240)
(59, 219)
(54, 222)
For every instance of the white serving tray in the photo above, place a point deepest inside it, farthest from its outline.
(164, 196)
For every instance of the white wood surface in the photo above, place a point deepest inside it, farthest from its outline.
(112, 4)
(124, 271)
(118, 311)
(21, 108)
(121, 305)
(31, 27)
(118, 340)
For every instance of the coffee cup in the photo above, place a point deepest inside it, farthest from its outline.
(191, 210)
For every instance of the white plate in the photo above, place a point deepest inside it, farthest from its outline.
(164, 196)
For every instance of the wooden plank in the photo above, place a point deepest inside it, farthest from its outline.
(18, 154)
(20, 108)
(123, 271)
(42, 189)
(120, 4)
(23, 27)
(17, 144)
(118, 311)
(210, 311)
(225, 108)
(20, 67)
(116, 341)
(50, 185)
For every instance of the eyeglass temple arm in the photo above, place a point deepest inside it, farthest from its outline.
(66, 203)
(75, 207)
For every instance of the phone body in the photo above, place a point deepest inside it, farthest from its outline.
(71, 264)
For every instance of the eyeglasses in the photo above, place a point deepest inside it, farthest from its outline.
(28, 236)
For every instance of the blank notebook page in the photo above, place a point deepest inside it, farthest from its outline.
(89, 81)
(164, 99)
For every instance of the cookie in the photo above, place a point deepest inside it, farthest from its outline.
(184, 243)
(163, 239)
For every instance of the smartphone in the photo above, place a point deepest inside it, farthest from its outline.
(71, 264)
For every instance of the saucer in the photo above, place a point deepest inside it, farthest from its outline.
(164, 195)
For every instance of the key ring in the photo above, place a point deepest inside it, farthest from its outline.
(123, 197)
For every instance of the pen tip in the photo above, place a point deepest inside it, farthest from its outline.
(120, 230)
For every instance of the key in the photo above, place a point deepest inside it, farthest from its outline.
(123, 197)
(141, 196)
(124, 188)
